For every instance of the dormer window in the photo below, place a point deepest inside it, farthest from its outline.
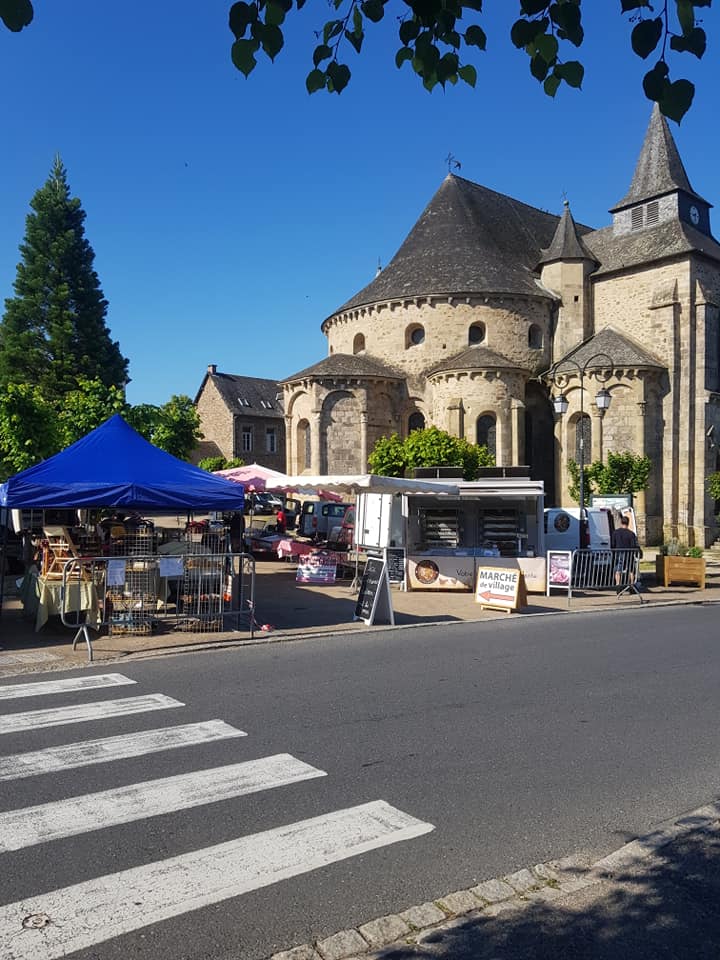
(266, 405)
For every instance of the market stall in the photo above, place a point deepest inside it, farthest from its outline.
(111, 467)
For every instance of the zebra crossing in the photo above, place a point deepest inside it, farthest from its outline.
(55, 923)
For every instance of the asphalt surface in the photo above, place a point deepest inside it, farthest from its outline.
(520, 741)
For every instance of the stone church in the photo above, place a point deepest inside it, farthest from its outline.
(487, 292)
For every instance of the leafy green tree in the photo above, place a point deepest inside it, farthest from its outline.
(211, 464)
(713, 485)
(28, 429)
(53, 332)
(176, 428)
(86, 407)
(438, 36)
(430, 447)
(388, 457)
(623, 473)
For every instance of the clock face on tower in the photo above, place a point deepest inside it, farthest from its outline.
(694, 216)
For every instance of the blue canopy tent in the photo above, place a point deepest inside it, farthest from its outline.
(113, 466)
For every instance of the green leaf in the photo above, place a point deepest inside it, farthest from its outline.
(531, 7)
(538, 67)
(355, 39)
(523, 32)
(331, 29)
(274, 14)
(243, 55)
(468, 73)
(409, 29)
(403, 54)
(551, 84)
(16, 14)
(373, 9)
(628, 5)
(655, 81)
(321, 52)
(567, 17)
(338, 76)
(677, 99)
(686, 15)
(475, 37)
(272, 41)
(571, 72)
(646, 36)
(315, 81)
(357, 20)
(695, 42)
(241, 14)
(447, 67)
(547, 47)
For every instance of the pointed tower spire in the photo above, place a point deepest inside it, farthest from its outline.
(567, 243)
(659, 169)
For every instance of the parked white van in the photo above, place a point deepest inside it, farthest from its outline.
(318, 517)
(562, 528)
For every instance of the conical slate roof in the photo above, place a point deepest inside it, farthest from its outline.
(566, 244)
(474, 358)
(468, 240)
(659, 169)
(345, 365)
(622, 351)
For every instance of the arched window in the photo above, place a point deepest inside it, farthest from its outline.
(416, 421)
(359, 343)
(583, 435)
(535, 337)
(476, 333)
(414, 335)
(485, 432)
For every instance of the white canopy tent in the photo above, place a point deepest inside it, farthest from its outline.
(359, 483)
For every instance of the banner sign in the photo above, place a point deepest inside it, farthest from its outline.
(559, 565)
(316, 568)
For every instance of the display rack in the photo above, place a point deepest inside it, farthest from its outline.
(503, 528)
(440, 529)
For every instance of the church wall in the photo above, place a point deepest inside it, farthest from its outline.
(631, 305)
(481, 392)
(446, 325)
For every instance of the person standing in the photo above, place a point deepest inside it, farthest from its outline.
(281, 523)
(624, 539)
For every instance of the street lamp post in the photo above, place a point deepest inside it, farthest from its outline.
(558, 377)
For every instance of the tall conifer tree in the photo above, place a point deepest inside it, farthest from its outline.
(54, 331)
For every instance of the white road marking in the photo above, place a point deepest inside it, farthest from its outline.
(72, 684)
(94, 811)
(87, 752)
(94, 911)
(78, 713)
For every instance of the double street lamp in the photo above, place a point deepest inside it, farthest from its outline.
(558, 376)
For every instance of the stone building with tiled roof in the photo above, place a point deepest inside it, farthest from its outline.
(486, 293)
(241, 417)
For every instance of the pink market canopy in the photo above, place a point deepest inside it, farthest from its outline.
(256, 478)
(114, 466)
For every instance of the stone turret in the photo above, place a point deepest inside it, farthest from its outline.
(565, 267)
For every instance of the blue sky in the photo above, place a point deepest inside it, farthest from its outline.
(229, 217)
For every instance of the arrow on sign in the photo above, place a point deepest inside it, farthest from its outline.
(487, 595)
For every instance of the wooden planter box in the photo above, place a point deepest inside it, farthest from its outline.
(680, 570)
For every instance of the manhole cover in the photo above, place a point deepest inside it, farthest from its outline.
(36, 921)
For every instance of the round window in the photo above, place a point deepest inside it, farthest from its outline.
(562, 522)
(417, 336)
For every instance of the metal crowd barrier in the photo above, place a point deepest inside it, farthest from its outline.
(606, 569)
(143, 595)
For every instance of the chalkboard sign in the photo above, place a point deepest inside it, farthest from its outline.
(374, 598)
(395, 564)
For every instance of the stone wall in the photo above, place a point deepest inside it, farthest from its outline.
(216, 424)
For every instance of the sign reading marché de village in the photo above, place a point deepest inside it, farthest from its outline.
(499, 587)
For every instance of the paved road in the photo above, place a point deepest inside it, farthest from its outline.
(517, 741)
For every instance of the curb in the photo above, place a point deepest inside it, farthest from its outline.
(337, 631)
(544, 882)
